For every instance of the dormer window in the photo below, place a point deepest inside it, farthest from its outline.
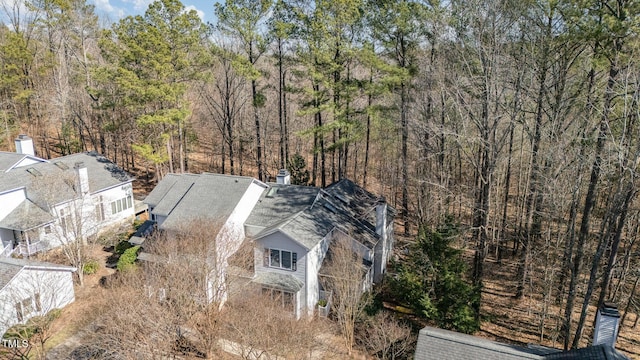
(280, 259)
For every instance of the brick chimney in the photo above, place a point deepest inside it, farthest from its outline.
(283, 177)
(607, 324)
(24, 145)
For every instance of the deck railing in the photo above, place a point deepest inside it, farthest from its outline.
(325, 299)
(7, 251)
(30, 249)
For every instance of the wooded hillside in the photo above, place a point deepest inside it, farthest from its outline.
(518, 118)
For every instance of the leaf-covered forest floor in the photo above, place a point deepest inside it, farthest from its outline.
(510, 320)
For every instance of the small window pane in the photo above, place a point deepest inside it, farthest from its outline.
(19, 313)
(38, 302)
(287, 299)
(129, 202)
(27, 306)
(275, 258)
(294, 261)
(113, 207)
(286, 260)
(119, 205)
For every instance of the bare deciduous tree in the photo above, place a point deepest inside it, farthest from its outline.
(344, 275)
(385, 337)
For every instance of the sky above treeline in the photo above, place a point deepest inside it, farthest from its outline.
(114, 10)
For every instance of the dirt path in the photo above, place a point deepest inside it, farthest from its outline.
(75, 320)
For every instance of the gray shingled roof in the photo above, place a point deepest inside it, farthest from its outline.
(358, 202)
(309, 226)
(442, 344)
(10, 267)
(9, 159)
(279, 281)
(59, 174)
(212, 196)
(179, 187)
(598, 352)
(164, 186)
(305, 214)
(25, 217)
(280, 202)
(8, 272)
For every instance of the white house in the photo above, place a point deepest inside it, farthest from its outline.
(46, 203)
(30, 288)
(223, 201)
(291, 226)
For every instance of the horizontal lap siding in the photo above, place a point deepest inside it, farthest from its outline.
(54, 286)
(281, 242)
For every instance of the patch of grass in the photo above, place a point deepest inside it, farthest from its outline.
(91, 267)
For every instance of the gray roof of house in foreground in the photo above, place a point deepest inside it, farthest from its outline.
(279, 281)
(280, 202)
(10, 267)
(358, 202)
(211, 197)
(598, 352)
(171, 195)
(53, 182)
(165, 186)
(442, 344)
(10, 159)
(344, 206)
(26, 217)
(306, 214)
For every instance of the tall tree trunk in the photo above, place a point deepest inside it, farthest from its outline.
(532, 224)
(618, 215)
(589, 202)
(367, 138)
(404, 156)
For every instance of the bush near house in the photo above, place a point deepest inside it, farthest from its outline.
(91, 267)
(128, 258)
(122, 246)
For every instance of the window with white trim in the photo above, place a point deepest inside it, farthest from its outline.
(65, 220)
(99, 209)
(121, 205)
(280, 259)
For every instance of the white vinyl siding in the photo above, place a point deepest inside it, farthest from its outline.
(34, 292)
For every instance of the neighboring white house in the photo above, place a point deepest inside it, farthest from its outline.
(46, 203)
(30, 288)
(291, 226)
